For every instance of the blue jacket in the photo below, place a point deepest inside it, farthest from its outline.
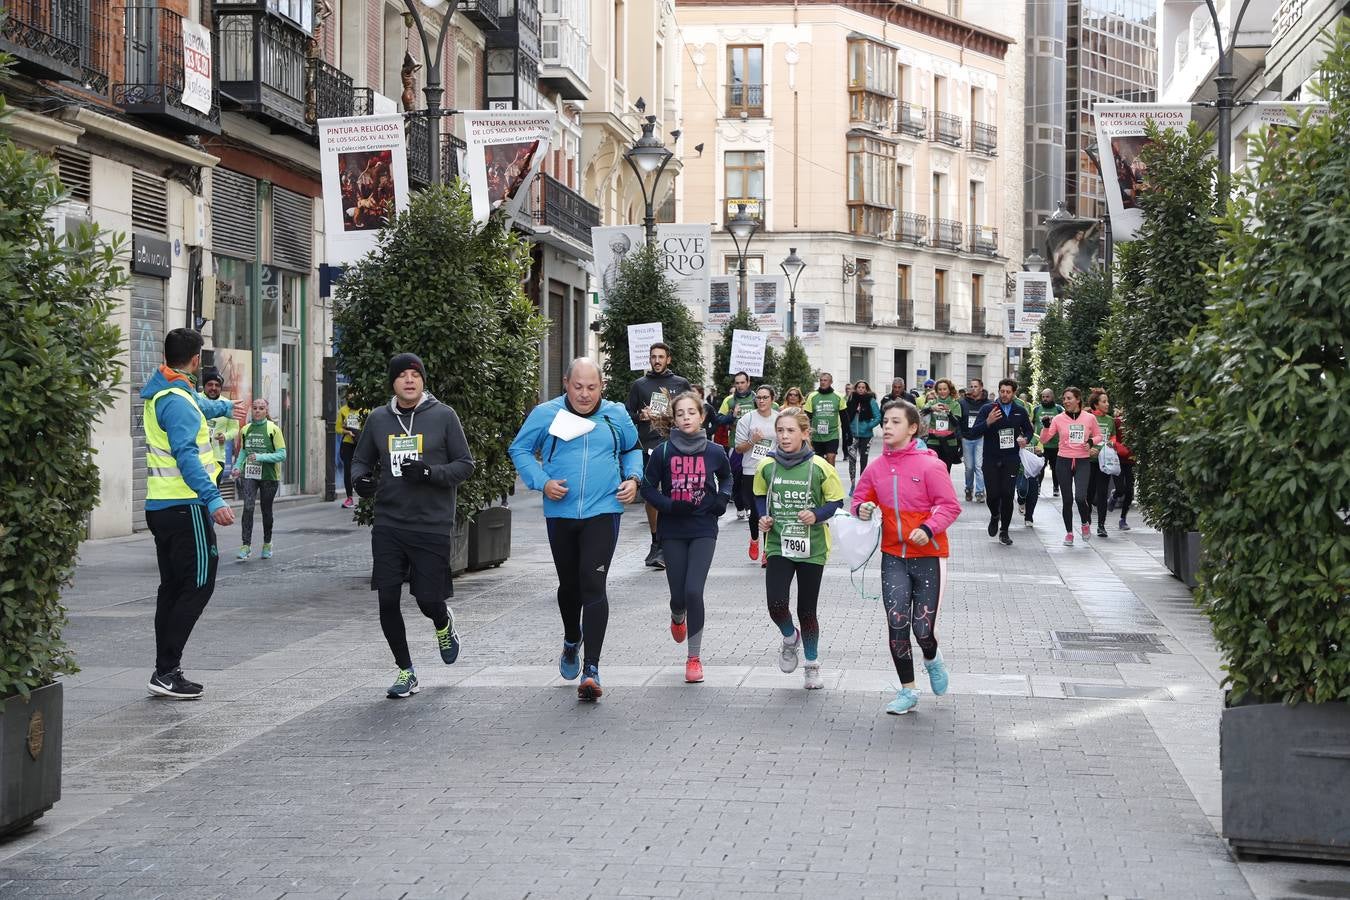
(181, 423)
(1018, 422)
(593, 465)
(866, 421)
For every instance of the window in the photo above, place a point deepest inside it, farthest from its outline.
(860, 364)
(871, 82)
(904, 281)
(939, 188)
(744, 177)
(977, 313)
(745, 81)
(974, 368)
(942, 310)
(862, 293)
(939, 365)
(754, 265)
(939, 94)
(902, 177)
(871, 185)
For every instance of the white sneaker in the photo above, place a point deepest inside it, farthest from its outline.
(787, 657)
(812, 671)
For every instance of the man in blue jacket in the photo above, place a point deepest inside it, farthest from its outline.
(1005, 426)
(583, 453)
(182, 503)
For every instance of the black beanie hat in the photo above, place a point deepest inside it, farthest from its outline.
(402, 363)
(211, 373)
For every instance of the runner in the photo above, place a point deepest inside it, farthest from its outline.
(1079, 437)
(796, 492)
(1044, 412)
(1006, 428)
(942, 423)
(349, 423)
(182, 504)
(736, 404)
(845, 420)
(972, 446)
(411, 458)
(1029, 489)
(793, 397)
(754, 442)
(824, 406)
(224, 429)
(257, 466)
(864, 415)
(918, 504)
(709, 412)
(583, 453)
(1125, 480)
(649, 407)
(898, 392)
(689, 480)
(1099, 485)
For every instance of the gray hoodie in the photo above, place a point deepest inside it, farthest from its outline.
(432, 433)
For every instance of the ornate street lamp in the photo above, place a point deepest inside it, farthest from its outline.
(433, 90)
(792, 268)
(742, 228)
(648, 155)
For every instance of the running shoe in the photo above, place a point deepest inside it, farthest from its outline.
(937, 675)
(1005, 539)
(787, 657)
(1055, 493)
(812, 680)
(754, 550)
(979, 496)
(993, 526)
(1068, 539)
(1101, 531)
(244, 552)
(1124, 526)
(267, 551)
(589, 689)
(348, 503)
(1086, 531)
(1022, 507)
(969, 494)
(447, 639)
(764, 561)
(1028, 522)
(679, 630)
(569, 664)
(659, 561)
(693, 671)
(173, 685)
(404, 684)
(652, 554)
(905, 700)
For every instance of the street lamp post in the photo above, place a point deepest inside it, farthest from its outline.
(433, 91)
(742, 228)
(792, 268)
(1223, 93)
(648, 155)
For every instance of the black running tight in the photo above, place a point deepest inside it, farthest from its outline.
(582, 551)
(391, 621)
(687, 563)
(911, 590)
(1074, 475)
(747, 489)
(778, 586)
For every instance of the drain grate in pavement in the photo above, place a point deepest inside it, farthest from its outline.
(1114, 692)
(1106, 657)
(1115, 641)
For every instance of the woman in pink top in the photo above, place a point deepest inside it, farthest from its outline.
(1080, 437)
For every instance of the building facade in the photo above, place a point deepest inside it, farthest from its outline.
(884, 143)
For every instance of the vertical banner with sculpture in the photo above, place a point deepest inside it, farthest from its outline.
(1121, 139)
(505, 151)
(364, 162)
(612, 245)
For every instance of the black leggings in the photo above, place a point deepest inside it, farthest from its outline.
(747, 501)
(1051, 463)
(911, 590)
(1000, 483)
(687, 564)
(345, 452)
(1125, 487)
(857, 460)
(391, 621)
(582, 551)
(1099, 488)
(778, 587)
(1074, 475)
(254, 489)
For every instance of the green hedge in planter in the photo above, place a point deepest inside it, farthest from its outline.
(58, 365)
(1050, 351)
(794, 370)
(722, 358)
(1262, 444)
(1085, 316)
(443, 287)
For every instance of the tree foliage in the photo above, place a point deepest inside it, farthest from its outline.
(1085, 317)
(741, 321)
(58, 370)
(443, 287)
(645, 294)
(794, 369)
(1261, 440)
(1050, 350)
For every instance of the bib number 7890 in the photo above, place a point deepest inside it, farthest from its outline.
(796, 541)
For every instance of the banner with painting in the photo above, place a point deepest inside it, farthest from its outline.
(1121, 139)
(503, 156)
(364, 163)
(722, 300)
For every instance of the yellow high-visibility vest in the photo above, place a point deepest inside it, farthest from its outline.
(164, 481)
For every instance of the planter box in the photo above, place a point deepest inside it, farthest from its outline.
(1188, 555)
(1171, 550)
(459, 550)
(1285, 771)
(30, 756)
(490, 538)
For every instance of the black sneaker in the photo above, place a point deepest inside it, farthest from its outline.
(652, 554)
(659, 561)
(1101, 531)
(993, 525)
(173, 685)
(1005, 539)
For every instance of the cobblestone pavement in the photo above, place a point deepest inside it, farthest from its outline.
(1075, 755)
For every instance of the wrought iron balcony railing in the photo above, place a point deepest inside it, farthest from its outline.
(942, 316)
(946, 234)
(451, 148)
(328, 92)
(62, 39)
(483, 13)
(978, 320)
(984, 138)
(419, 151)
(562, 208)
(745, 98)
(153, 71)
(363, 101)
(911, 119)
(984, 239)
(262, 65)
(905, 313)
(946, 129)
(911, 228)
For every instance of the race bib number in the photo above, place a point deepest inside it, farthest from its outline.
(970, 421)
(401, 447)
(941, 424)
(354, 422)
(760, 450)
(1077, 434)
(823, 427)
(253, 471)
(660, 403)
(795, 539)
(1006, 440)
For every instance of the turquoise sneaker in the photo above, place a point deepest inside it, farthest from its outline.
(905, 700)
(404, 684)
(569, 664)
(937, 675)
(267, 551)
(589, 689)
(244, 552)
(447, 639)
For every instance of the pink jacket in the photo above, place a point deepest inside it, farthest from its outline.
(1064, 426)
(912, 489)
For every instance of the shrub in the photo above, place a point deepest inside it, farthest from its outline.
(1085, 317)
(1261, 440)
(794, 369)
(722, 356)
(1050, 350)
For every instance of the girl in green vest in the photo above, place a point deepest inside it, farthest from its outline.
(262, 449)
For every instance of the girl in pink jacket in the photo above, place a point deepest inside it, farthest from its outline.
(913, 491)
(1080, 437)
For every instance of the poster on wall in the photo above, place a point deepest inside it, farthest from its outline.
(810, 323)
(1032, 299)
(612, 245)
(1012, 336)
(768, 301)
(721, 290)
(197, 84)
(1120, 130)
(684, 253)
(365, 182)
(504, 153)
(236, 367)
(640, 340)
(271, 383)
(747, 353)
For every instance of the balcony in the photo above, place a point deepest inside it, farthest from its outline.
(911, 120)
(482, 13)
(905, 314)
(62, 39)
(562, 208)
(942, 316)
(754, 208)
(262, 66)
(328, 93)
(984, 138)
(911, 228)
(946, 234)
(565, 57)
(745, 100)
(978, 321)
(451, 148)
(984, 239)
(419, 151)
(153, 67)
(947, 129)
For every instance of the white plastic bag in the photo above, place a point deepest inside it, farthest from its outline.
(1108, 460)
(1031, 463)
(854, 541)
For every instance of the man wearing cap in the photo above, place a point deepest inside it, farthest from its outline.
(411, 458)
(224, 429)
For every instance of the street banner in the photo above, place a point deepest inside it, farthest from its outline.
(196, 66)
(810, 323)
(612, 245)
(640, 340)
(1120, 130)
(1032, 299)
(1012, 335)
(505, 151)
(364, 162)
(747, 353)
(721, 291)
(1276, 114)
(768, 301)
(685, 254)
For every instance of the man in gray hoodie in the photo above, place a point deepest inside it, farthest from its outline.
(411, 457)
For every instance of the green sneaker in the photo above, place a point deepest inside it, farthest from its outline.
(244, 552)
(267, 551)
(404, 684)
(448, 641)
